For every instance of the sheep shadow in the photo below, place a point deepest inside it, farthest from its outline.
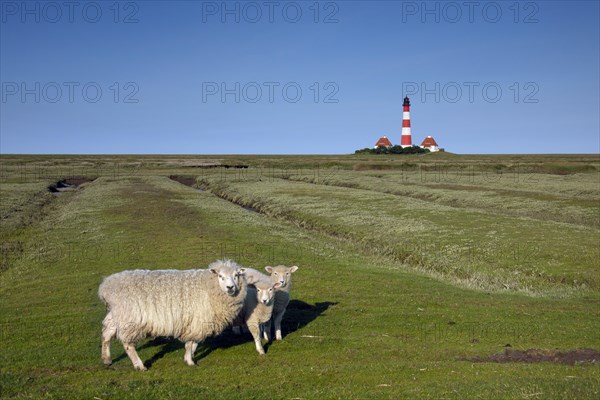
(168, 345)
(298, 315)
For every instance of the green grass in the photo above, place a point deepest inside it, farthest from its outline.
(364, 323)
(478, 250)
(572, 199)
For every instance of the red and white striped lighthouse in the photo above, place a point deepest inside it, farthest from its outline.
(406, 138)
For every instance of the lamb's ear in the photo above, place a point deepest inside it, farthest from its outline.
(277, 285)
(214, 271)
(269, 269)
(294, 269)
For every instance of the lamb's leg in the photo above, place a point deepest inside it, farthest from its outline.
(267, 330)
(190, 349)
(134, 357)
(109, 330)
(277, 319)
(255, 331)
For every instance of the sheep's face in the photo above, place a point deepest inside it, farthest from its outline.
(281, 274)
(229, 279)
(266, 291)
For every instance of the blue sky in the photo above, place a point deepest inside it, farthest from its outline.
(289, 77)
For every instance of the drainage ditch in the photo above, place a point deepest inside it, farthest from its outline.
(191, 182)
(68, 184)
(186, 180)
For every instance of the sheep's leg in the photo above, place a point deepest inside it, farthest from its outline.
(255, 331)
(277, 319)
(134, 357)
(190, 349)
(109, 330)
(267, 331)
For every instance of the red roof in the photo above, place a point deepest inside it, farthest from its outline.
(383, 142)
(428, 142)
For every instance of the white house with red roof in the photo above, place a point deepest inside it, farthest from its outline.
(430, 143)
(383, 142)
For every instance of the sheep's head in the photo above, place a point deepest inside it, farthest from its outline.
(281, 274)
(229, 275)
(265, 291)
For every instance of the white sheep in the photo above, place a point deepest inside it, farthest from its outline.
(258, 308)
(253, 276)
(188, 305)
(282, 275)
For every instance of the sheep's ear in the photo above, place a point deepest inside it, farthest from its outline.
(214, 271)
(294, 269)
(269, 269)
(277, 285)
(241, 271)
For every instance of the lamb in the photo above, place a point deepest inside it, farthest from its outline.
(282, 275)
(253, 276)
(258, 308)
(189, 305)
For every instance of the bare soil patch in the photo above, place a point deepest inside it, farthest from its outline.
(570, 357)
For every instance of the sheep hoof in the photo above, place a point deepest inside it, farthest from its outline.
(141, 368)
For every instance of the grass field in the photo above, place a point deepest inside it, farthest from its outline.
(414, 270)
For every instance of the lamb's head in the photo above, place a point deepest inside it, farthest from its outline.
(229, 275)
(265, 291)
(281, 274)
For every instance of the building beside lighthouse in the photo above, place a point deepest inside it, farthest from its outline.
(430, 143)
(383, 142)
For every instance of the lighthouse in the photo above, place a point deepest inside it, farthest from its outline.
(406, 138)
